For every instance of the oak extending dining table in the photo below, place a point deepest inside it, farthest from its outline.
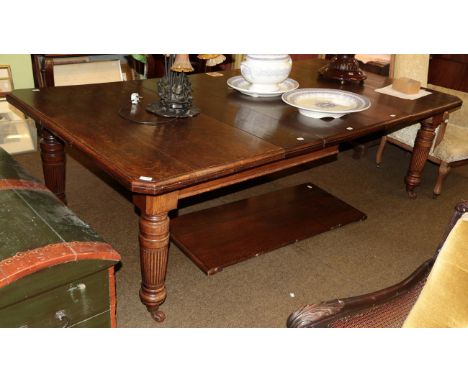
(235, 138)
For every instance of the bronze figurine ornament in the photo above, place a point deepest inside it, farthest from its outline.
(174, 88)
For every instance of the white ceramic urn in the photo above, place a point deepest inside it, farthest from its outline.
(266, 71)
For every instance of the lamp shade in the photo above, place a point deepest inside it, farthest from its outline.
(182, 63)
(212, 59)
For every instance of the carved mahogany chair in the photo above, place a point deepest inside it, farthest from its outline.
(435, 295)
(450, 147)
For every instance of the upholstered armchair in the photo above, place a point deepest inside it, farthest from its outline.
(435, 295)
(449, 149)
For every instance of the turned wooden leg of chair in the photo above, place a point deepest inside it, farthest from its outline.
(360, 150)
(380, 150)
(444, 169)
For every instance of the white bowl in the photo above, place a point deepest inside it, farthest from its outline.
(266, 71)
(323, 103)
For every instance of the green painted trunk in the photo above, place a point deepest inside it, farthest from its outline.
(72, 293)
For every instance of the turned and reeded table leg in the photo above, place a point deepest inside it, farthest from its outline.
(422, 147)
(53, 164)
(154, 245)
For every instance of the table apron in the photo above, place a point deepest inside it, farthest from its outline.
(256, 172)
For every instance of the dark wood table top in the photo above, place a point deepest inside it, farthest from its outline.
(234, 132)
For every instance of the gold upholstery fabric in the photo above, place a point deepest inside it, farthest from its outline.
(443, 302)
(458, 117)
(454, 146)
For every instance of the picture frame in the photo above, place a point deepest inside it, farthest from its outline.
(6, 80)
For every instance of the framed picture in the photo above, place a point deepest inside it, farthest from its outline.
(6, 80)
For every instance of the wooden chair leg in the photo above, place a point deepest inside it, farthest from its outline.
(444, 169)
(360, 150)
(380, 150)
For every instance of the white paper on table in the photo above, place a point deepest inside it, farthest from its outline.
(390, 91)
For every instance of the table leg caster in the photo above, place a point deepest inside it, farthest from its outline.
(158, 315)
(412, 194)
(410, 191)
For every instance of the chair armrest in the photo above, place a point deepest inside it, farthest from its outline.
(384, 308)
(460, 209)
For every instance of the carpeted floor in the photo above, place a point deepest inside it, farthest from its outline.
(398, 235)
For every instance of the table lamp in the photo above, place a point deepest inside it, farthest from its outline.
(174, 88)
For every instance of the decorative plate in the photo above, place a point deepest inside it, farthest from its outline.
(241, 84)
(322, 103)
